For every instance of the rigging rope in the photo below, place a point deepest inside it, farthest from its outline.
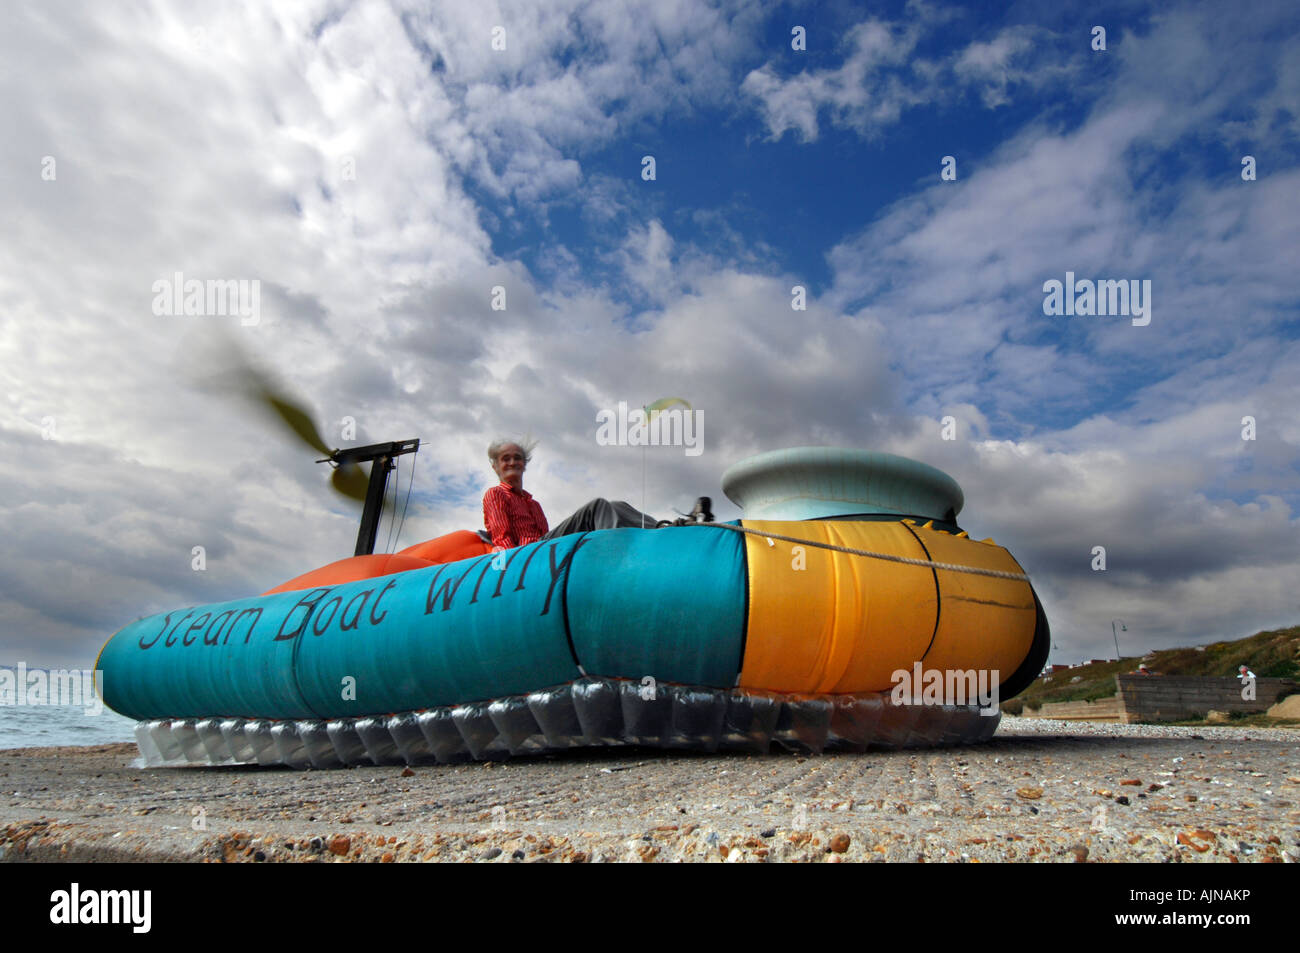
(889, 557)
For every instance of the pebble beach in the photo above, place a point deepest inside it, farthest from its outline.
(1040, 791)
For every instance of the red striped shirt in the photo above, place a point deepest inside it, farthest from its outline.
(512, 517)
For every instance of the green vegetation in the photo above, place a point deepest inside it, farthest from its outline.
(1269, 654)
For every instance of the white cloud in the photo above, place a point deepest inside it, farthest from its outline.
(882, 76)
(990, 67)
(859, 93)
(647, 260)
(573, 75)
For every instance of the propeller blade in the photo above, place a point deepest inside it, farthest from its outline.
(244, 378)
(296, 417)
(350, 480)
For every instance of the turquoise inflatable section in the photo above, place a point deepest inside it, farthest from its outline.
(188, 661)
(465, 631)
(669, 604)
(624, 603)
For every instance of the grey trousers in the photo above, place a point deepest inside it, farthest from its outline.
(601, 514)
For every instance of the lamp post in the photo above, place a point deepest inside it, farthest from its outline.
(1122, 628)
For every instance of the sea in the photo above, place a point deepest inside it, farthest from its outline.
(27, 725)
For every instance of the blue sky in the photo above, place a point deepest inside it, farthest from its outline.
(215, 142)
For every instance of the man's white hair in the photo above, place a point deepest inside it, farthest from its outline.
(526, 444)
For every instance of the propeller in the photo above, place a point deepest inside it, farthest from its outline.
(245, 379)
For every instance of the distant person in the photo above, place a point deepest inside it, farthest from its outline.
(1247, 684)
(513, 518)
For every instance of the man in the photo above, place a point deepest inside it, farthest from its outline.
(514, 518)
(510, 513)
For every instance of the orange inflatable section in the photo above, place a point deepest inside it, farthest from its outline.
(824, 621)
(461, 544)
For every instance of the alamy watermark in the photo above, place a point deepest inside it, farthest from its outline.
(214, 297)
(128, 907)
(946, 687)
(1085, 298)
(75, 688)
(657, 425)
(1247, 683)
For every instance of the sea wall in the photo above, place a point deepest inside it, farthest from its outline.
(1176, 697)
(1144, 698)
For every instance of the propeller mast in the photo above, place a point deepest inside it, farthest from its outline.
(381, 456)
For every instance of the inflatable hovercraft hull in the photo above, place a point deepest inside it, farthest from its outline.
(793, 627)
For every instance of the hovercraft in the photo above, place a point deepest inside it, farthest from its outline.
(790, 626)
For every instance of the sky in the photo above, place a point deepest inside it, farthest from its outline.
(467, 221)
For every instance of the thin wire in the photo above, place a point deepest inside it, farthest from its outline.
(392, 514)
(409, 481)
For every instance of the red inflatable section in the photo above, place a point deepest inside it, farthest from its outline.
(461, 544)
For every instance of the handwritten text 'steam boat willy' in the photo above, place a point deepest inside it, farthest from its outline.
(790, 625)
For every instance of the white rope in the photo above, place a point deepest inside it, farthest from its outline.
(889, 557)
